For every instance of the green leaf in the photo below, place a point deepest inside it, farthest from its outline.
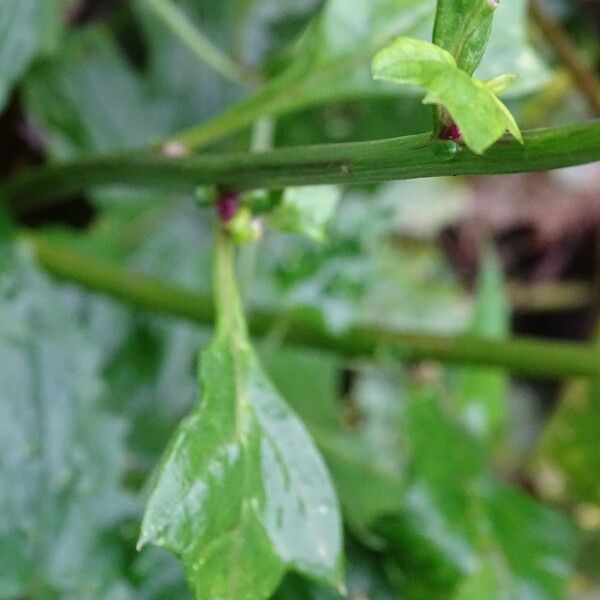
(307, 211)
(363, 461)
(462, 27)
(61, 452)
(498, 85)
(481, 393)
(27, 27)
(481, 117)
(186, 88)
(242, 494)
(365, 272)
(567, 460)
(331, 59)
(365, 579)
(89, 99)
(456, 516)
(160, 575)
(484, 582)
(17, 42)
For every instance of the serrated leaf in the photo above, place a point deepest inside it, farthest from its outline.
(480, 116)
(462, 27)
(242, 494)
(307, 211)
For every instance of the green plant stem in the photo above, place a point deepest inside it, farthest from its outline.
(274, 98)
(198, 43)
(306, 82)
(230, 318)
(357, 163)
(527, 356)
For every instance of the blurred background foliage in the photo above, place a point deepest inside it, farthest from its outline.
(459, 483)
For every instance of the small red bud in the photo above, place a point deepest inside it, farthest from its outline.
(227, 205)
(451, 132)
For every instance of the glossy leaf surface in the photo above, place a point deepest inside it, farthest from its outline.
(481, 117)
(242, 494)
(462, 27)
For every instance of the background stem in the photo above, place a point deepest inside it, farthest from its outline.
(525, 356)
(568, 53)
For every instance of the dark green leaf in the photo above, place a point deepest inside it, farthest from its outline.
(462, 27)
(457, 521)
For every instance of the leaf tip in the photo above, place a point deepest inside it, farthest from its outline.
(145, 538)
(518, 136)
(140, 544)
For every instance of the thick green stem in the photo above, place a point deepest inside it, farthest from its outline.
(358, 163)
(527, 356)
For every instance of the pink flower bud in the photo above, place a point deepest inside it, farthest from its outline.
(451, 132)
(227, 205)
